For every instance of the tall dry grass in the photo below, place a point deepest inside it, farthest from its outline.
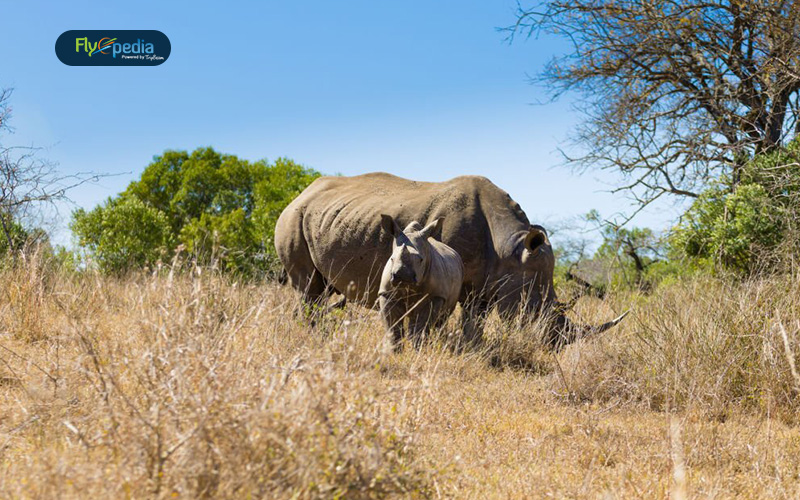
(187, 384)
(708, 345)
(190, 385)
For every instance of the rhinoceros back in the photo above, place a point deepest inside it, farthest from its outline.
(333, 226)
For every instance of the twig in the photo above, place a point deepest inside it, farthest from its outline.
(789, 355)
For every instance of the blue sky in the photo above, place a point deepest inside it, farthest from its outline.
(426, 90)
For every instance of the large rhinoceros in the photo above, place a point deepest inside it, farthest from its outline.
(329, 239)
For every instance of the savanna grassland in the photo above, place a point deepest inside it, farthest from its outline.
(192, 385)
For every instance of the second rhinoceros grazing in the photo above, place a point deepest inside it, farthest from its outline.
(421, 280)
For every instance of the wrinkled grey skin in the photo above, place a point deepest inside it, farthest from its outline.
(421, 280)
(329, 240)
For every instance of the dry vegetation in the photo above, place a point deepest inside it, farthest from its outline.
(190, 385)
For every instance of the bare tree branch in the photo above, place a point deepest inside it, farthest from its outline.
(28, 181)
(676, 93)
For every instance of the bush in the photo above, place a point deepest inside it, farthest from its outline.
(747, 224)
(710, 344)
(632, 258)
(221, 209)
(122, 234)
(738, 230)
(14, 236)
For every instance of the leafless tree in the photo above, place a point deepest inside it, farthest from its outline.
(26, 180)
(676, 92)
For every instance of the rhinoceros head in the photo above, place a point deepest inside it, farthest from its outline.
(527, 288)
(410, 258)
(524, 282)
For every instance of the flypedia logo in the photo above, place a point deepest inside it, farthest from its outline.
(101, 46)
(126, 48)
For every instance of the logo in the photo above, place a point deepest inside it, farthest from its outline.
(113, 48)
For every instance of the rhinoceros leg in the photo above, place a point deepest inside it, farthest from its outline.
(302, 274)
(440, 314)
(314, 289)
(393, 313)
(421, 319)
(427, 316)
(473, 318)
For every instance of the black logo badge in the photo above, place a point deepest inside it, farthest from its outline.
(113, 48)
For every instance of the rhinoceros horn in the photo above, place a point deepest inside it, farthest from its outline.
(565, 331)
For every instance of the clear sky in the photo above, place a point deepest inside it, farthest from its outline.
(426, 90)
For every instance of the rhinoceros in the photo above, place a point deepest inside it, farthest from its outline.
(329, 240)
(421, 280)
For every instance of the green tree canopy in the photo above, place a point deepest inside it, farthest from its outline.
(752, 226)
(217, 207)
(123, 233)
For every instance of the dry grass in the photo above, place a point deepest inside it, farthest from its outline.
(707, 345)
(191, 386)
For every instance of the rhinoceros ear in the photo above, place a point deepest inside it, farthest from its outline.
(433, 230)
(388, 224)
(535, 238)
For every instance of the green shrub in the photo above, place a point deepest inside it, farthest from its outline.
(220, 209)
(739, 229)
(12, 236)
(123, 233)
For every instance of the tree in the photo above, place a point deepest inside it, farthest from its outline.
(15, 236)
(753, 227)
(27, 182)
(218, 208)
(625, 256)
(677, 93)
(283, 182)
(123, 234)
